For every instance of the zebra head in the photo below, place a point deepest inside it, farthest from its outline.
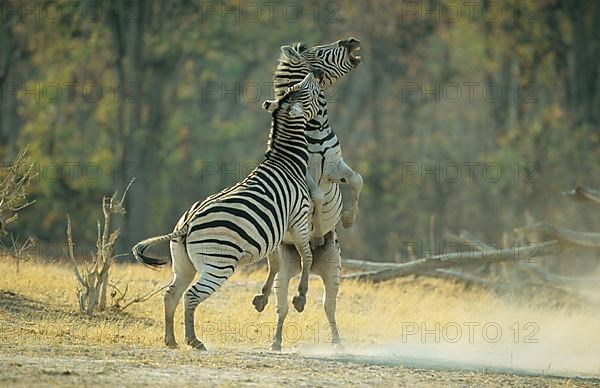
(335, 59)
(300, 100)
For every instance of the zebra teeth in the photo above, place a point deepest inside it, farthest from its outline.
(355, 59)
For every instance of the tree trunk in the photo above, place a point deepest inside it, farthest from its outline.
(136, 134)
(116, 26)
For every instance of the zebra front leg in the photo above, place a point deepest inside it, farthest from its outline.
(344, 174)
(318, 199)
(210, 280)
(300, 238)
(183, 274)
(282, 283)
(289, 267)
(261, 300)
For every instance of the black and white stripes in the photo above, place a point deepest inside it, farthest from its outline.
(326, 165)
(327, 170)
(246, 222)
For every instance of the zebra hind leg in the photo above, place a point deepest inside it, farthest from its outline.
(330, 261)
(261, 300)
(183, 274)
(211, 279)
(349, 216)
(344, 174)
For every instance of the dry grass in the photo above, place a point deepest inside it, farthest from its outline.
(38, 306)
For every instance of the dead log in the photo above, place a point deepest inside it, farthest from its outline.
(438, 273)
(583, 194)
(468, 279)
(471, 240)
(466, 238)
(362, 265)
(568, 236)
(561, 280)
(455, 259)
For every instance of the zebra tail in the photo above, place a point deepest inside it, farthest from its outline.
(139, 248)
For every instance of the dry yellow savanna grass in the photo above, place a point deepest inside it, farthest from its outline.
(39, 306)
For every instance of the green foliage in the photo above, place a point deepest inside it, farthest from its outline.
(181, 95)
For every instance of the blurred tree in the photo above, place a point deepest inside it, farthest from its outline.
(182, 83)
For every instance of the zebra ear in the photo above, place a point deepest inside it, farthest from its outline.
(290, 53)
(295, 110)
(270, 105)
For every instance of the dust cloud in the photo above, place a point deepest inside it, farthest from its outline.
(520, 340)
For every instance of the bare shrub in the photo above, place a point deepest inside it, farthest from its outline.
(19, 250)
(119, 294)
(13, 189)
(15, 179)
(93, 277)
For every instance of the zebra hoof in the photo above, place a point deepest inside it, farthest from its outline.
(259, 302)
(299, 302)
(171, 343)
(196, 344)
(276, 347)
(347, 219)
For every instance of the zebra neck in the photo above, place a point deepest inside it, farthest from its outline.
(288, 144)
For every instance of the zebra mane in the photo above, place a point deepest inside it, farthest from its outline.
(274, 132)
(280, 82)
(299, 46)
(284, 87)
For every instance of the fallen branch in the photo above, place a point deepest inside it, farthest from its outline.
(141, 298)
(473, 241)
(584, 239)
(458, 258)
(560, 280)
(119, 302)
(583, 194)
(366, 265)
(467, 279)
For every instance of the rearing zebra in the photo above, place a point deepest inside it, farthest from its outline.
(244, 223)
(328, 169)
(326, 165)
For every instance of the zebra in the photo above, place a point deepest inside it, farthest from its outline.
(244, 223)
(326, 164)
(327, 167)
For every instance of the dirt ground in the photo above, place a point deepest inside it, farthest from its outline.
(45, 341)
(134, 366)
